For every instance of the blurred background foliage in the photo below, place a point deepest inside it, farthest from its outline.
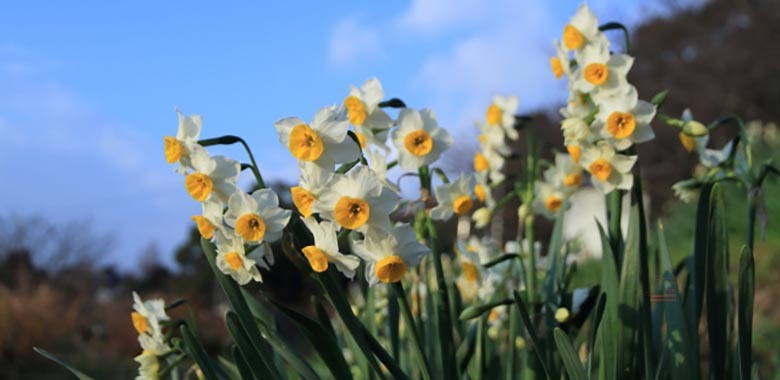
(720, 58)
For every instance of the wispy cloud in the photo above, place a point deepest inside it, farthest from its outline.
(353, 40)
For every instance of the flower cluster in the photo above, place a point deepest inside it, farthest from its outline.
(604, 117)
(147, 317)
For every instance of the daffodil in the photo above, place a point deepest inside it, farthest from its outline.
(455, 197)
(210, 220)
(256, 218)
(389, 256)
(582, 29)
(177, 149)
(419, 139)
(212, 176)
(560, 63)
(548, 199)
(148, 366)
(491, 163)
(233, 261)
(357, 200)
(482, 190)
(370, 121)
(565, 174)
(609, 170)
(325, 249)
(579, 105)
(324, 141)
(625, 120)
(501, 113)
(148, 314)
(312, 181)
(691, 142)
(600, 73)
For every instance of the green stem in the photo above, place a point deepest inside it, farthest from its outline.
(614, 212)
(449, 361)
(531, 274)
(227, 140)
(511, 350)
(752, 200)
(411, 329)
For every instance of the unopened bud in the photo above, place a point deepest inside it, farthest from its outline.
(695, 129)
(523, 211)
(562, 314)
(481, 217)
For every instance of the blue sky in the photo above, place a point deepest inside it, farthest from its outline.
(87, 92)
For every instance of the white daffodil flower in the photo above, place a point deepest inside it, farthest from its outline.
(560, 64)
(210, 220)
(257, 218)
(154, 344)
(312, 181)
(389, 256)
(501, 113)
(712, 158)
(177, 149)
(357, 201)
(684, 192)
(377, 162)
(548, 199)
(419, 139)
(233, 261)
(455, 197)
(490, 162)
(371, 122)
(148, 314)
(600, 73)
(148, 366)
(323, 142)
(326, 249)
(565, 175)
(491, 138)
(625, 120)
(478, 250)
(482, 190)
(609, 170)
(212, 176)
(582, 29)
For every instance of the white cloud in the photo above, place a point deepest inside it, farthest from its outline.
(351, 41)
(435, 16)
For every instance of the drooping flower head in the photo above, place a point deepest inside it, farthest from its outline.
(325, 249)
(324, 141)
(357, 200)
(389, 256)
(212, 176)
(419, 139)
(256, 218)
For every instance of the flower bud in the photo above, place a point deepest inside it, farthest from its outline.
(574, 129)
(695, 129)
(481, 217)
(562, 314)
(523, 211)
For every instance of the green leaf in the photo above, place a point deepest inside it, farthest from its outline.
(568, 355)
(231, 370)
(717, 286)
(747, 283)
(678, 351)
(260, 365)
(442, 301)
(467, 347)
(322, 340)
(241, 365)
(629, 349)
(239, 304)
(609, 319)
(197, 352)
(531, 332)
(48, 355)
(553, 253)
